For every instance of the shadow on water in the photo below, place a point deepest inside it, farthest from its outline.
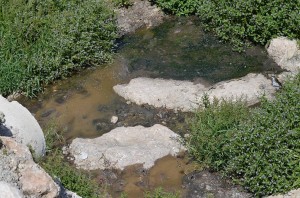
(179, 49)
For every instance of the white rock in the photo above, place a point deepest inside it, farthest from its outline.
(286, 53)
(70, 194)
(250, 87)
(9, 191)
(186, 96)
(20, 124)
(114, 119)
(172, 94)
(125, 146)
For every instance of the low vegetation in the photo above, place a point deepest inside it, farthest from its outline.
(160, 193)
(122, 3)
(241, 21)
(257, 148)
(43, 40)
(70, 177)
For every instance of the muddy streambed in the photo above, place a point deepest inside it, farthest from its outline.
(179, 49)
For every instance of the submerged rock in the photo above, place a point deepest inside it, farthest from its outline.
(20, 124)
(205, 184)
(186, 96)
(125, 146)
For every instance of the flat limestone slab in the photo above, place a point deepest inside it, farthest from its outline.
(186, 96)
(125, 146)
(250, 88)
(171, 94)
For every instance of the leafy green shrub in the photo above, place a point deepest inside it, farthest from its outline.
(209, 130)
(264, 153)
(259, 150)
(45, 40)
(238, 21)
(57, 167)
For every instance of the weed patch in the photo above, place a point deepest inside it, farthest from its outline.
(260, 148)
(45, 40)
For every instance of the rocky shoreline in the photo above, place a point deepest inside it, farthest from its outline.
(20, 176)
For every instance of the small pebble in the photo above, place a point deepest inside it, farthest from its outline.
(114, 119)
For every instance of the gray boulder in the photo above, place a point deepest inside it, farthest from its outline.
(285, 53)
(20, 124)
(140, 14)
(9, 191)
(186, 96)
(125, 146)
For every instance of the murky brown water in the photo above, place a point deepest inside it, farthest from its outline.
(73, 103)
(84, 104)
(167, 174)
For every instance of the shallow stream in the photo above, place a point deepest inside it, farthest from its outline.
(179, 49)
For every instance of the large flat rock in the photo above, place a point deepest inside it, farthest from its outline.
(125, 146)
(171, 94)
(186, 96)
(250, 88)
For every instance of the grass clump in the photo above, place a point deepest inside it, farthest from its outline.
(45, 40)
(209, 130)
(160, 193)
(259, 150)
(70, 177)
(122, 3)
(240, 21)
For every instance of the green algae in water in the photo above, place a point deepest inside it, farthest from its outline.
(180, 49)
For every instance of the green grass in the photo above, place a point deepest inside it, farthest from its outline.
(260, 148)
(160, 193)
(209, 130)
(42, 41)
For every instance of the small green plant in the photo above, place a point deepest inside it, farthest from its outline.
(160, 193)
(122, 3)
(54, 163)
